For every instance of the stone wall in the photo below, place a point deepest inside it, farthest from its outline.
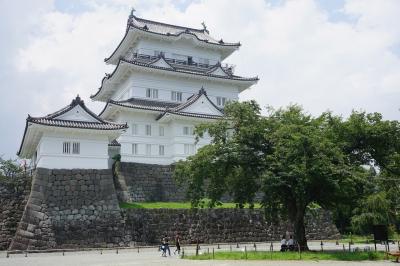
(218, 225)
(70, 209)
(79, 208)
(12, 202)
(147, 182)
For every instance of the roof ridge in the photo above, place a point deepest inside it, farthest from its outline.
(167, 24)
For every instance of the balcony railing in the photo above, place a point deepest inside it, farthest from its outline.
(186, 64)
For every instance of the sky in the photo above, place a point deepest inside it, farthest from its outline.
(337, 55)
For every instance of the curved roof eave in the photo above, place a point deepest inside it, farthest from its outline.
(252, 80)
(206, 42)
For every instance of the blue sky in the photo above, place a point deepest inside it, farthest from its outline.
(323, 54)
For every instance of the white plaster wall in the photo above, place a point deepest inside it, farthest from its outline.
(93, 152)
(173, 139)
(139, 82)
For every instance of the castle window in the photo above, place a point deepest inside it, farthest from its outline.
(66, 147)
(148, 149)
(76, 147)
(189, 149)
(161, 131)
(221, 101)
(148, 130)
(187, 130)
(152, 93)
(134, 148)
(190, 60)
(176, 96)
(161, 149)
(134, 129)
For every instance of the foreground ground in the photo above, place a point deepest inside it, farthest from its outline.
(151, 256)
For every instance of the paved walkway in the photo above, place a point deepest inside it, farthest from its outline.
(151, 256)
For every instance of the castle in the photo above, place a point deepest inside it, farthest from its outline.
(167, 80)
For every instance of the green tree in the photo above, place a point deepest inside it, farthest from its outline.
(9, 168)
(371, 141)
(374, 210)
(288, 155)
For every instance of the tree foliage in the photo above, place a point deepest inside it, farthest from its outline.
(294, 160)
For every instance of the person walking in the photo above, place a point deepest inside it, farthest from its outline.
(166, 245)
(177, 244)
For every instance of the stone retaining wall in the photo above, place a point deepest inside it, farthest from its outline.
(79, 208)
(12, 203)
(219, 225)
(69, 209)
(147, 182)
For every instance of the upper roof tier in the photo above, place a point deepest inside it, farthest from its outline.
(138, 28)
(75, 116)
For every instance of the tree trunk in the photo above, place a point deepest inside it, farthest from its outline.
(300, 230)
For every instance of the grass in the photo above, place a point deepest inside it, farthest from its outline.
(262, 255)
(171, 205)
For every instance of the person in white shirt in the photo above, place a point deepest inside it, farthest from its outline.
(290, 243)
(283, 244)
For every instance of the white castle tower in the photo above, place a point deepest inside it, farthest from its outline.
(167, 80)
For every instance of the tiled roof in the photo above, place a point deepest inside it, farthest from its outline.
(184, 69)
(76, 124)
(145, 104)
(51, 119)
(169, 30)
(114, 143)
(206, 116)
(174, 30)
(197, 72)
(166, 107)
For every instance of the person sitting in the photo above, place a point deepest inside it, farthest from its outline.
(284, 246)
(290, 244)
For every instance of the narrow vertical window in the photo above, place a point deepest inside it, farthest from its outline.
(221, 101)
(134, 129)
(161, 131)
(148, 149)
(187, 130)
(148, 130)
(66, 147)
(189, 149)
(161, 150)
(155, 94)
(134, 148)
(148, 93)
(176, 96)
(76, 149)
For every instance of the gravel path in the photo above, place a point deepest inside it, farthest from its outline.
(150, 256)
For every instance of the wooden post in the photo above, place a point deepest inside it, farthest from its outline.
(137, 249)
(213, 254)
(26, 253)
(344, 249)
(255, 247)
(8, 255)
(183, 253)
(117, 251)
(322, 246)
(197, 250)
(299, 248)
(218, 247)
(230, 248)
(349, 246)
(245, 251)
(237, 244)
